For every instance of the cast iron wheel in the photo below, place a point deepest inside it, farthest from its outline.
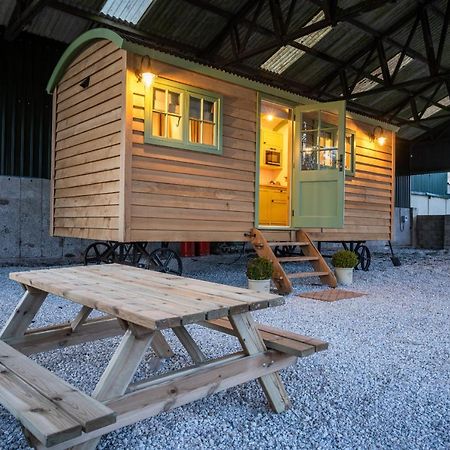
(364, 257)
(165, 260)
(98, 252)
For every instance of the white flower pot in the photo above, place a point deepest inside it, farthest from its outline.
(344, 276)
(259, 285)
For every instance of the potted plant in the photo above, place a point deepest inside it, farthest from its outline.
(344, 261)
(259, 273)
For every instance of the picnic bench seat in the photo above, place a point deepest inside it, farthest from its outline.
(51, 409)
(276, 338)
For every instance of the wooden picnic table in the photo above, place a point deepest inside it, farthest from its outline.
(138, 304)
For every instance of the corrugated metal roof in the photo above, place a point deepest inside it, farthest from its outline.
(6, 9)
(58, 25)
(213, 32)
(130, 11)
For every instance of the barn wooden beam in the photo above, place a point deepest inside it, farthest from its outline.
(383, 63)
(430, 119)
(430, 100)
(401, 85)
(395, 109)
(290, 38)
(344, 83)
(290, 14)
(158, 41)
(414, 111)
(443, 37)
(23, 14)
(277, 18)
(233, 21)
(330, 11)
(411, 34)
(386, 36)
(398, 24)
(428, 41)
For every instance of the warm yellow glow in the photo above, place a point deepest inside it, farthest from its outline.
(381, 140)
(148, 78)
(270, 117)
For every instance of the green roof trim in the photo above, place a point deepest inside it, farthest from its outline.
(76, 47)
(103, 33)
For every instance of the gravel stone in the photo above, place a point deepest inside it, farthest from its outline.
(383, 383)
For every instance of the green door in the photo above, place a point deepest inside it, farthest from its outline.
(318, 166)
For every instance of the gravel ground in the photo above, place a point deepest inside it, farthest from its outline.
(384, 382)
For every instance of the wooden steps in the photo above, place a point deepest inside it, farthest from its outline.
(287, 243)
(311, 255)
(297, 258)
(307, 274)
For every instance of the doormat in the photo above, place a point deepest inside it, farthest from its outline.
(331, 295)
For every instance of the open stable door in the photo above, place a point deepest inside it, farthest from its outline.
(318, 169)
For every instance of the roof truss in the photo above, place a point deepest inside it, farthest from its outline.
(374, 62)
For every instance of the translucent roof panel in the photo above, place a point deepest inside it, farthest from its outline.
(287, 55)
(365, 84)
(130, 11)
(433, 109)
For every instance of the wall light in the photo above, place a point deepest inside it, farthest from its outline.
(145, 72)
(378, 135)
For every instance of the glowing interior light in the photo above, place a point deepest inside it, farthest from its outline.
(270, 117)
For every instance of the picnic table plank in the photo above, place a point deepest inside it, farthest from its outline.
(89, 413)
(194, 284)
(150, 299)
(215, 301)
(38, 414)
(142, 303)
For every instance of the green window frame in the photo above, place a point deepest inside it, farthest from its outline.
(349, 156)
(195, 125)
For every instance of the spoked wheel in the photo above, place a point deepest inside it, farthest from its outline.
(364, 257)
(98, 252)
(165, 260)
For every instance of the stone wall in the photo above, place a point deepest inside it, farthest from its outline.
(433, 231)
(24, 225)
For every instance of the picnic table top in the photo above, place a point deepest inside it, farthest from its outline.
(151, 299)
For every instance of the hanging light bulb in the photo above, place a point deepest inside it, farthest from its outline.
(270, 117)
(145, 73)
(381, 140)
(378, 135)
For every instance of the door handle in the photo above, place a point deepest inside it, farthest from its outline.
(341, 163)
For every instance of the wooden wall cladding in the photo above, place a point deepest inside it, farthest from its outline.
(87, 142)
(181, 195)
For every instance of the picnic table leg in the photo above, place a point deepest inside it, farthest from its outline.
(160, 346)
(23, 315)
(189, 344)
(119, 372)
(252, 343)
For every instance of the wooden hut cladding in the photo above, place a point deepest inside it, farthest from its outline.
(191, 195)
(88, 144)
(111, 182)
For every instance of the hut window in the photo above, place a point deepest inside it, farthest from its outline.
(202, 121)
(166, 114)
(349, 153)
(184, 117)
